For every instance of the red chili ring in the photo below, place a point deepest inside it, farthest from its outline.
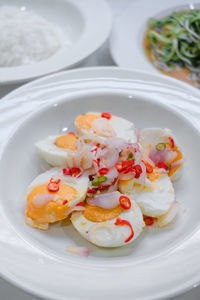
(162, 165)
(53, 187)
(138, 170)
(120, 222)
(125, 202)
(149, 221)
(149, 168)
(106, 115)
(54, 181)
(103, 171)
(171, 141)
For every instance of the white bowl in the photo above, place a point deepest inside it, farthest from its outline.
(37, 260)
(86, 24)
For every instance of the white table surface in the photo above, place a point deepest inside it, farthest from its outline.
(102, 57)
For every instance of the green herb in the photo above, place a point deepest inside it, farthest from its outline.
(130, 156)
(161, 146)
(98, 180)
(102, 179)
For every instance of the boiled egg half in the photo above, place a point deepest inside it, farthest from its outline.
(109, 227)
(105, 125)
(52, 196)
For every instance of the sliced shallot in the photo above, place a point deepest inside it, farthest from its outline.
(42, 199)
(111, 175)
(107, 200)
(81, 251)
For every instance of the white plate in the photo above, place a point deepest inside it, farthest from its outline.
(85, 23)
(36, 260)
(126, 41)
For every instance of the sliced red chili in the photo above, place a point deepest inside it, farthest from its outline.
(65, 202)
(106, 115)
(128, 163)
(103, 171)
(66, 171)
(171, 141)
(103, 187)
(128, 169)
(74, 171)
(80, 204)
(71, 133)
(120, 222)
(138, 170)
(92, 191)
(97, 145)
(149, 168)
(53, 187)
(54, 181)
(97, 162)
(95, 149)
(162, 165)
(149, 221)
(119, 167)
(125, 202)
(114, 181)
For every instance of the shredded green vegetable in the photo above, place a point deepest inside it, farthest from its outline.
(175, 41)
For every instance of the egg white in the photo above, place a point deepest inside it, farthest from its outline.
(53, 155)
(107, 234)
(152, 136)
(79, 184)
(123, 128)
(155, 198)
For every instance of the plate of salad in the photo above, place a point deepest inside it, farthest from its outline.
(165, 40)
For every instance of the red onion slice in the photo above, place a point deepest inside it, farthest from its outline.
(107, 200)
(127, 176)
(157, 156)
(111, 175)
(81, 251)
(42, 199)
(113, 188)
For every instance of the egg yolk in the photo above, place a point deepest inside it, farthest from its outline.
(178, 157)
(67, 141)
(153, 176)
(53, 210)
(98, 214)
(85, 121)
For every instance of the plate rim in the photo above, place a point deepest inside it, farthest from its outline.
(45, 107)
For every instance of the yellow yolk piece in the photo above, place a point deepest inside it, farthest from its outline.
(67, 141)
(85, 121)
(178, 157)
(98, 214)
(153, 176)
(53, 210)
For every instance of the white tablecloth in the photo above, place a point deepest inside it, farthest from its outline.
(100, 58)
